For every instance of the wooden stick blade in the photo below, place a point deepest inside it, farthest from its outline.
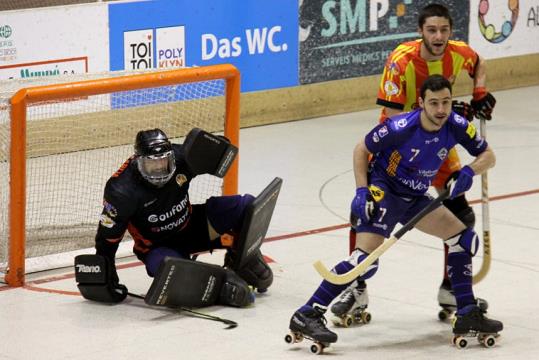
(358, 270)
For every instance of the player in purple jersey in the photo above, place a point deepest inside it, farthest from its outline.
(392, 187)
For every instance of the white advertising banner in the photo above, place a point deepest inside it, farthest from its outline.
(502, 28)
(167, 51)
(54, 41)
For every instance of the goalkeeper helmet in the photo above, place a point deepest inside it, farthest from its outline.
(155, 156)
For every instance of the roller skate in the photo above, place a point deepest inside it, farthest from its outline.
(310, 323)
(448, 303)
(350, 308)
(472, 322)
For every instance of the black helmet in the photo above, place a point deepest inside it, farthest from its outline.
(155, 157)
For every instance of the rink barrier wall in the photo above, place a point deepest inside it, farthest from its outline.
(357, 94)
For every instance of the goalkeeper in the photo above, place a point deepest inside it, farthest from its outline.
(148, 197)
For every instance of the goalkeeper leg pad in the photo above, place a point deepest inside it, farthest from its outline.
(188, 283)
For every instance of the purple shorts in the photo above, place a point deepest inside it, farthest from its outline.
(393, 209)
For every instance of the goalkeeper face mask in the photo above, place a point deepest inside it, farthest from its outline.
(157, 169)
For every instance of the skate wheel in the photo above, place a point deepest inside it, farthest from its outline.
(444, 314)
(298, 337)
(317, 348)
(366, 317)
(488, 341)
(347, 321)
(460, 342)
(288, 339)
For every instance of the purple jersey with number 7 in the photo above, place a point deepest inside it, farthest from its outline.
(406, 157)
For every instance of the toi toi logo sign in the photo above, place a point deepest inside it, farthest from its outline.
(159, 48)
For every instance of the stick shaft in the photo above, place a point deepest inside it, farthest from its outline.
(363, 266)
(485, 217)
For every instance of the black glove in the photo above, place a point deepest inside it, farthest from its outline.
(97, 279)
(483, 103)
(463, 109)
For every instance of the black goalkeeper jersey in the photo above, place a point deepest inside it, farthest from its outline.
(153, 216)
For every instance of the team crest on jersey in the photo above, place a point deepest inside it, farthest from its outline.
(442, 154)
(470, 130)
(181, 179)
(402, 122)
(391, 88)
(106, 221)
(459, 119)
(376, 192)
(109, 209)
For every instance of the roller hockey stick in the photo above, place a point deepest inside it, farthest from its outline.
(362, 267)
(485, 265)
(231, 324)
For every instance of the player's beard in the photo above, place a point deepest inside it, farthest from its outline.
(430, 49)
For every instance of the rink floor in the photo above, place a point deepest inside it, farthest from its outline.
(48, 319)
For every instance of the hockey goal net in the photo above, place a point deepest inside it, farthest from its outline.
(59, 144)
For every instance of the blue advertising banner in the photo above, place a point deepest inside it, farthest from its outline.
(260, 38)
(341, 39)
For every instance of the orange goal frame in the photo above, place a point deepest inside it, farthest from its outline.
(15, 275)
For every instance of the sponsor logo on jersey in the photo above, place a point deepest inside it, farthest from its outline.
(442, 153)
(376, 192)
(381, 226)
(110, 209)
(414, 184)
(170, 226)
(470, 130)
(391, 88)
(433, 140)
(106, 221)
(181, 179)
(146, 204)
(375, 137)
(176, 209)
(383, 131)
(402, 123)
(427, 173)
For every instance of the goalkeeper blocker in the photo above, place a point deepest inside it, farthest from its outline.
(97, 279)
(189, 283)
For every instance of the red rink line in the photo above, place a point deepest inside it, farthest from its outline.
(30, 285)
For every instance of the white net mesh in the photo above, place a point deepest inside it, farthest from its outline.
(74, 146)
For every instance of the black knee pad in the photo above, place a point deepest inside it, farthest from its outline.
(462, 210)
(256, 272)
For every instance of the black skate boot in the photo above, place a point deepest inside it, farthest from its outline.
(448, 303)
(310, 323)
(351, 306)
(472, 322)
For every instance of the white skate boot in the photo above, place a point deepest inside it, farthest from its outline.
(350, 308)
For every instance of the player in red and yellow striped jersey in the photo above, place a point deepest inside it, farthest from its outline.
(405, 71)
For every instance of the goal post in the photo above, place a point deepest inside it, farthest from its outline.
(92, 120)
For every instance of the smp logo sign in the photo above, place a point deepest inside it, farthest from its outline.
(154, 48)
